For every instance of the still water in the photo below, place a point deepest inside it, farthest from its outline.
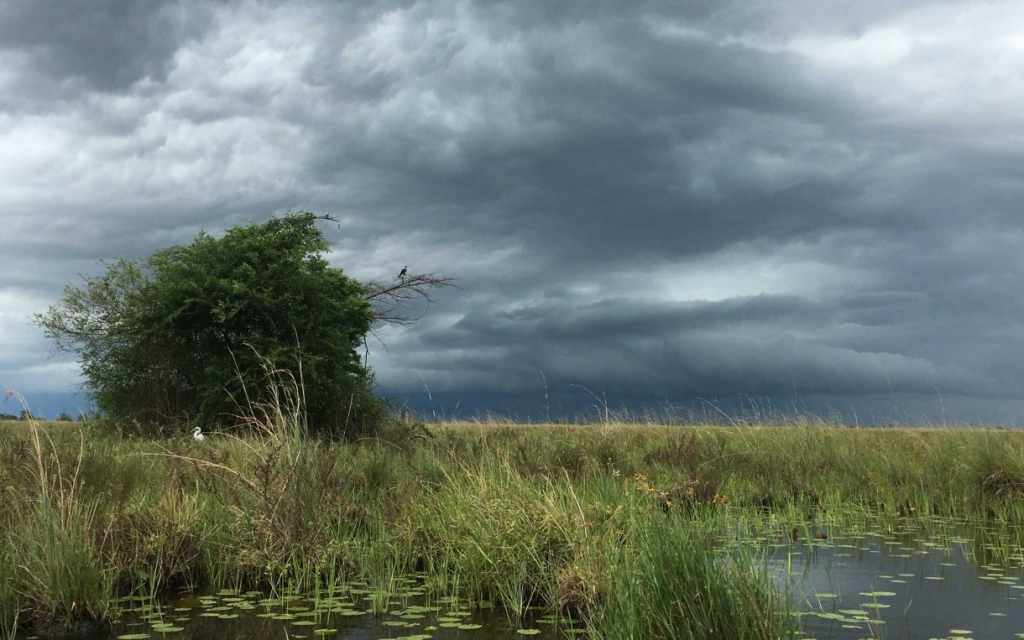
(917, 579)
(345, 614)
(907, 579)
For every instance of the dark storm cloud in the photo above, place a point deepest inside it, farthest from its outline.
(738, 345)
(106, 45)
(597, 323)
(650, 199)
(667, 146)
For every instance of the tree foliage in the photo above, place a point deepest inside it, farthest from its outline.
(193, 332)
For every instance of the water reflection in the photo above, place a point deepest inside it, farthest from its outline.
(915, 581)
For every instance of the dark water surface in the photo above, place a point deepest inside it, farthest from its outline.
(915, 580)
(346, 614)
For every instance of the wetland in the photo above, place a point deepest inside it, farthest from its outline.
(492, 530)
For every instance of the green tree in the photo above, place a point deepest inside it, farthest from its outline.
(191, 332)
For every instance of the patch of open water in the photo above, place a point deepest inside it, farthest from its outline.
(916, 581)
(347, 614)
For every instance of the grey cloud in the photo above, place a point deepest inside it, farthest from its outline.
(581, 167)
(105, 45)
(546, 164)
(597, 322)
(743, 346)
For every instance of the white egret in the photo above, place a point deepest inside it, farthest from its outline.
(197, 435)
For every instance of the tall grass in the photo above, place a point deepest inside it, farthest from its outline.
(53, 541)
(10, 603)
(668, 581)
(614, 523)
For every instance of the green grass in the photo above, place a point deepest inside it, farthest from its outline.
(613, 523)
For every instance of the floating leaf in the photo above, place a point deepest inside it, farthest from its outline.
(877, 594)
(167, 629)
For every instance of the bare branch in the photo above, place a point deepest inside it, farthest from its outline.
(392, 300)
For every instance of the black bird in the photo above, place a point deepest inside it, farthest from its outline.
(405, 270)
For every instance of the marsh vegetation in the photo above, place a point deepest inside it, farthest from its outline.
(626, 530)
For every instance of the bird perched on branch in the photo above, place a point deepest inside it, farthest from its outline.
(405, 270)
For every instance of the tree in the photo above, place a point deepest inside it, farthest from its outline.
(194, 332)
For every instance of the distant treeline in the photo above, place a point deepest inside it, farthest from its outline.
(25, 414)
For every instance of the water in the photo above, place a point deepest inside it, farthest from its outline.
(346, 614)
(918, 580)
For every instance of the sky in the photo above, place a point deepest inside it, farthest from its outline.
(732, 206)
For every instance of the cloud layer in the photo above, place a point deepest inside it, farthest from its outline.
(726, 199)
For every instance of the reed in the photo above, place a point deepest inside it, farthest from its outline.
(54, 540)
(668, 581)
(608, 522)
(10, 602)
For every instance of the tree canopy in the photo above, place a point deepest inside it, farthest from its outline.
(192, 332)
